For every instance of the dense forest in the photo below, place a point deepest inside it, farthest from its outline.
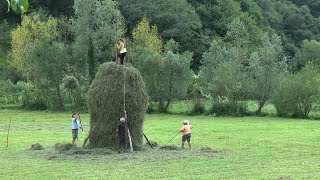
(227, 51)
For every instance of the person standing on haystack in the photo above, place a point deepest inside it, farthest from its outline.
(121, 132)
(186, 133)
(121, 47)
(75, 126)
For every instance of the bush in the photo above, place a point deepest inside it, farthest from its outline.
(197, 97)
(8, 93)
(229, 108)
(30, 97)
(297, 93)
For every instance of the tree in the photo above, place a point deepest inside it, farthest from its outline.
(39, 57)
(147, 36)
(310, 51)
(298, 92)
(175, 76)
(166, 76)
(149, 63)
(268, 67)
(175, 19)
(97, 25)
(225, 67)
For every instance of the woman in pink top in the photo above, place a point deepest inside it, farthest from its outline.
(186, 133)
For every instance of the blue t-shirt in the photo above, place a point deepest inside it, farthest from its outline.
(75, 123)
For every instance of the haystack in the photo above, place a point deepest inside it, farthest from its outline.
(106, 104)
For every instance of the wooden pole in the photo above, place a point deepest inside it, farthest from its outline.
(124, 108)
(8, 134)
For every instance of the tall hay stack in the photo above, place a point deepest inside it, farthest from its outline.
(106, 104)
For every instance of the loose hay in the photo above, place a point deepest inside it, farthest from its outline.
(105, 99)
(64, 146)
(36, 146)
(169, 147)
(153, 144)
(208, 150)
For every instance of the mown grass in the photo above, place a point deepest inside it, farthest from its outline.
(249, 148)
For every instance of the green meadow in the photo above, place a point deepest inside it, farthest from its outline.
(241, 148)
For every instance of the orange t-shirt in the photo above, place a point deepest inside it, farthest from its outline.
(186, 129)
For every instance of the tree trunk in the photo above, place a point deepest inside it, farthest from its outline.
(261, 104)
(60, 99)
(167, 105)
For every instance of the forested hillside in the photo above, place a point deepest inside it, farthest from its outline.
(225, 49)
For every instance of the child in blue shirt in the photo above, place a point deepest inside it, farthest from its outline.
(75, 126)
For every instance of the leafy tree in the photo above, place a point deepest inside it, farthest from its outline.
(147, 36)
(39, 57)
(310, 51)
(312, 4)
(298, 92)
(149, 63)
(224, 71)
(54, 7)
(174, 77)
(97, 25)
(268, 68)
(175, 19)
(166, 77)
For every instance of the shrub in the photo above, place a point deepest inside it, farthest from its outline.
(225, 108)
(297, 93)
(8, 93)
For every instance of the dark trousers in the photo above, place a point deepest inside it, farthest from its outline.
(121, 56)
(122, 142)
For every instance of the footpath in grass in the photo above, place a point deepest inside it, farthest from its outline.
(242, 148)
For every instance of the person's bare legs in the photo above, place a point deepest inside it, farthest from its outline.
(73, 140)
(189, 143)
(182, 144)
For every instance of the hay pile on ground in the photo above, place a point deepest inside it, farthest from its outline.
(64, 146)
(36, 146)
(208, 150)
(106, 104)
(170, 147)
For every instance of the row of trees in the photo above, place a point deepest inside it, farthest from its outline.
(59, 56)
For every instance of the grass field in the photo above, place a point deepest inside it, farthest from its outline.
(247, 148)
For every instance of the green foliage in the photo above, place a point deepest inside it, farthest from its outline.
(174, 77)
(227, 108)
(224, 72)
(310, 51)
(97, 26)
(54, 7)
(297, 93)
(148, 62)
(147, 36)
(166, 77)
(197, 97)
(268, 67)
(40, 57)
(175, 19)
(8, 93)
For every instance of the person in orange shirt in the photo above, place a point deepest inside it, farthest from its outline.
(186, 133)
